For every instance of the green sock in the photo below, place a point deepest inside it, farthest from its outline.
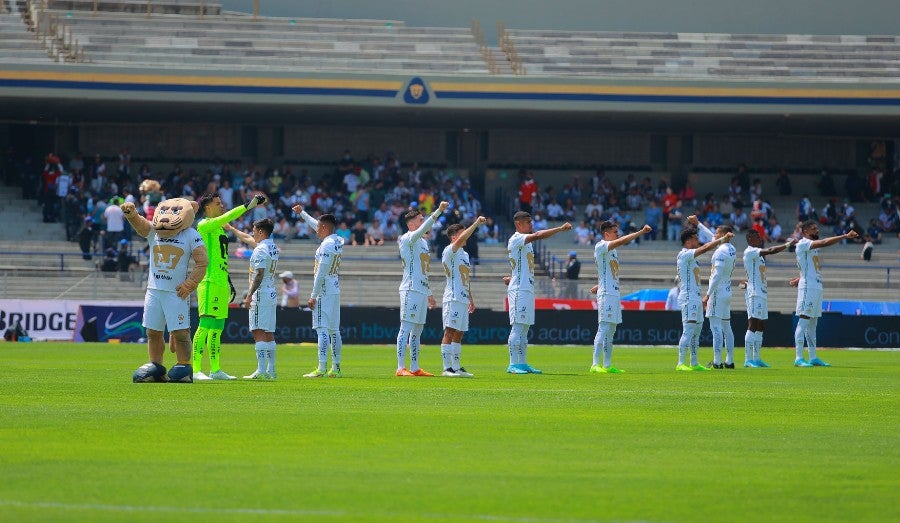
(199, 343)
(215, 345)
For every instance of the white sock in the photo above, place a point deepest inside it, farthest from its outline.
(518, 337)
(695, 343)
(609, 332)
(749, 349)
(598, 345)
(811, 337)
(800, 337)
(456, 353)
(337, 345)
(260, 356)
(414, 346)
(684, 342)
(446, 355)
(402, 341)
(324, 343)
(758, 346)
(270, 356)
(715, 325)
(729, 342)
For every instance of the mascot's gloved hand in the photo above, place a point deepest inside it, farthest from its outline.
(256, 200)
(185, 289)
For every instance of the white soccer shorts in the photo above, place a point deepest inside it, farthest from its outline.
(692, 311)
(327, 314)
(164, 309)
(809, 303)
(758, 307)
(719, 306)
(521, 307)
(456, 315)
(413, 307)
(262, 316)
(609, 309)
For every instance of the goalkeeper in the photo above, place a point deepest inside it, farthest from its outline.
(216, 290)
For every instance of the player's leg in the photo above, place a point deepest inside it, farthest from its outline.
(750, 337)
(324, 344)
(518, 332)
(815, 314)
(598, 349)
(201, 336)
(456, 350)
(214, 341)
(695, 324)
(447, 340)
(609, 331)
(802, 327)
(757, 346)
(337, 346)
(415, 346)
(271, 347)
(528, 304)
(729, 342)
(718, 340)
(684, 343)
(259, 344)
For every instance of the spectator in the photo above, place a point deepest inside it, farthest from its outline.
(554, 210)
(87, 238)
(358, 234)
(375, 234)
(391, 230)
(283, 229)
(805, 209)
(725, 206)
(583, 235)
(569, 210)
(109, 263)
(735, 193)
(739, 220)
(668, 203)
(756, 190)
(653, 218)
(634, 201)
(290, 290)
(527, 192)
(383, 214)
(343, 231)
(688, 195)
(783, 183)
(115, 223)
(491, 232)
(539, 223)
(714, 218)
(774, 232)
(573, 268)
(126, 262)
(873, 233)
(351, 180)
(676, 215)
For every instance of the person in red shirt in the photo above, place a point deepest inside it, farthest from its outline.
(668, 203)
(527, 192)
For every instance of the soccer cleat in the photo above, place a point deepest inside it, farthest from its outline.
(335, 373)
(316, 373)
(403, 372)
(683, 367)
(515, 369)
(463, 373)
(816, 362)
(613, 370)
(728, 366)
(272, 376)
(450, 373)
(800, 362)
(750, 364)
(199, 376)
(530, 369)
(257, 376)
(598, 369)
(220, 375)
(422, 373)
(714, 365)
(761, 364)
(698, 367)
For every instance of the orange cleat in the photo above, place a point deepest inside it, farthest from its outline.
(422, 373)
(404, 372)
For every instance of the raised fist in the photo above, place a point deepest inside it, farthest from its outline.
(729, 235)
(480, 220)
(852, 234)
(297, 208)
(567, 226)
(443, 206)
(256, 200)
(692, 219)
(646, 229)
(127, 207)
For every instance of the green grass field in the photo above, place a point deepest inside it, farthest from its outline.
(81, 442)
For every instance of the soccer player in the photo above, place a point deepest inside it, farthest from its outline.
(261, 299)
(216, 290)
(717, 300)
(415, 295)
(757, 296)
(609, 301)
(458, 302)
(809, 290)
(520, 293)
(689, 295)
(325, 298)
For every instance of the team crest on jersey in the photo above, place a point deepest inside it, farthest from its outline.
(181, 317)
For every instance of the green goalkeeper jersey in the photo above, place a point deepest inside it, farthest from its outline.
(217, 244)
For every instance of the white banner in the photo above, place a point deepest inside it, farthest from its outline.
(47, 319)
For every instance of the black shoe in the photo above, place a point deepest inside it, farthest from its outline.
(729, 366)
(712, 365)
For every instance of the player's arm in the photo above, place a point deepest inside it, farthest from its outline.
(706, 247)
(714, 280)
(141, 225)
(319, 277)
(241, 235)
(776, 249)
(211, 224)
(546, 233)
(704, 233)
(429, 222)
(464, 236)
(311, 222)
(827, 242)
(254, 285)
(628, 238)
(201, 260)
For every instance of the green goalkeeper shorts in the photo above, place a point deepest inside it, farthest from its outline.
(213, 299)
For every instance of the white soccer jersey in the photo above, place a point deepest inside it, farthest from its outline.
(458, 270)
(264, 257)
(607, 269)
(808, 263)
(416, 258)
(521, 258)
(755, 265)
(327, 267)
(169, 258)
(722, 267)
(689, 276)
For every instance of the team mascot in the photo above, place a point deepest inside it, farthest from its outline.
(151, 196)
(170, 238)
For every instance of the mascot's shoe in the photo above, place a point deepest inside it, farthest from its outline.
(181, 374)
(149, 373)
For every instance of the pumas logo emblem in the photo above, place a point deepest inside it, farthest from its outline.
(416, 92)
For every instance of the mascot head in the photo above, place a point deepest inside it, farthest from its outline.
(149, 186)
(173, 216)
